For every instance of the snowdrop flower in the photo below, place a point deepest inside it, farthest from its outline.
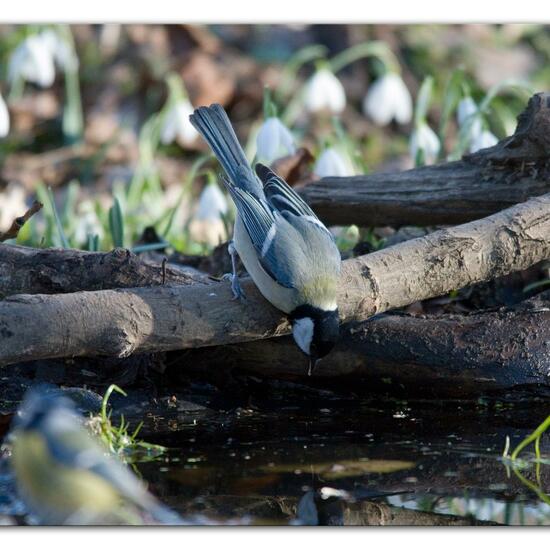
(60, 50)
(274, 141)
(207, 226)
(87, 223)
(388, 98)
(332, 163)
(483, 140)
(177, 126)
(12, 204)
(4, 118)
(424, 139)
(212, 203)
(467, 108)
(32, 61)
(324, 92)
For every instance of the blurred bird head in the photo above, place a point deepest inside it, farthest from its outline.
(66, 477)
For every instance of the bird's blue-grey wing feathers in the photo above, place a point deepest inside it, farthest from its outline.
(280, 195)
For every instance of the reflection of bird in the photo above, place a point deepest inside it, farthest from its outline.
(288, 252)
(64, 475)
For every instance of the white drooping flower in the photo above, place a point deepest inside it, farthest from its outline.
(332, 163)
(4, 118)
(60, 50)
(324, 92)
(424, 139)
(483, 140)
(12, 204)
(465, 113)
(33, 62)
(177, 126)
(212, 203)
(387, 99)
(207, 225)
(274, 141)
(87, 223)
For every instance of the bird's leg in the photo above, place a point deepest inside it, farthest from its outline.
(238, 293)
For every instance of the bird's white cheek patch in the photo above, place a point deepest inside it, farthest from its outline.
(302, 330)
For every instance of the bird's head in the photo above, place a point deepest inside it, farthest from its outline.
(42, 404)
(315, 331)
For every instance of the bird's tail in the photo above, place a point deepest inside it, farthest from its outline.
(214, 126)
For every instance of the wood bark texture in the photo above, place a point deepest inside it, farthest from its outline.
(60, 270)
(446, 355)
(124, 321)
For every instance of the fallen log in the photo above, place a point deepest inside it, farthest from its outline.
(282, 510)
(55, 270)
(514, 170)
(124, 321)
(446, 355)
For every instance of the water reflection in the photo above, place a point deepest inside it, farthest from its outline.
(347, 463)
(446, 466)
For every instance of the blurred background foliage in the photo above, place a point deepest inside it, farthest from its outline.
(106, 147)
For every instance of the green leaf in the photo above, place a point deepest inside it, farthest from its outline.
(62, 236)
(116, 224)
(513, 84)
(423, 100)
(93, 242)
(451, 98)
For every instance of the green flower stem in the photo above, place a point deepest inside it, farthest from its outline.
(185, 191)
(17, 89)
(293, 65)
(73, 119)
(377, 49)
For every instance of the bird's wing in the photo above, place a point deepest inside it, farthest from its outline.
(270, 235)
(320, 250)
(280, 195)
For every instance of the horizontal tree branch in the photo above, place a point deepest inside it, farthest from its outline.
(479, 185)
(124, 321)
(53, 270)
(447, 355)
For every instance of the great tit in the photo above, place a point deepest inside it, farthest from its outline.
(289, 253)
(65, 477)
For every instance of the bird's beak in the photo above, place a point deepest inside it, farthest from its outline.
(312, 362)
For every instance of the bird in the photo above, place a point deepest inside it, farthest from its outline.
(287, 251)
(65, 476)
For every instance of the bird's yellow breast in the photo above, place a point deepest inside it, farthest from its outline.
(54, 489)
(320, 291)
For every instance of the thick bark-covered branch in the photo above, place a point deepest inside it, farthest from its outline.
(447, 355)
(124, 321)
(481, 184)
(53, 270)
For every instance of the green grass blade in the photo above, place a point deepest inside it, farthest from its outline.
(62, 236)
(116, 224)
